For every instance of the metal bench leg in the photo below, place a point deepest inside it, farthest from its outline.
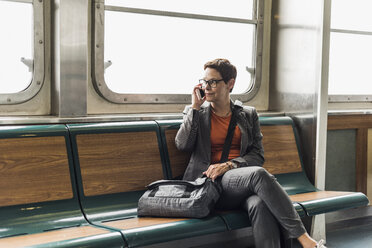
(318, 230)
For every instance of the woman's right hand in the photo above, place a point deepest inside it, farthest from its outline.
(216, 170)
(196, 101)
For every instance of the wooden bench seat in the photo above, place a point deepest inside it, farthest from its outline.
(38, 191)
(115, 162)
(283, 160)
(73, 237)
(144, 231)
(319, 202)
(318, 195)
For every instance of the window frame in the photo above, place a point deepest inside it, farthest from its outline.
(98, 58)
(37, 79)
(339, 98)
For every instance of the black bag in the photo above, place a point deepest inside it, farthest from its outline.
(180, 198)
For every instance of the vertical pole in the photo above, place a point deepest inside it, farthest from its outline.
(318, 228)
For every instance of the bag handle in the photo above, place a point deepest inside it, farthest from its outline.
(229, 137)
(192, 184)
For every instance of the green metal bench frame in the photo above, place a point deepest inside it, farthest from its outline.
(293, 183)
(100, 209)
(96, 210)
(52, 215)
(297, 183)
(113, 206)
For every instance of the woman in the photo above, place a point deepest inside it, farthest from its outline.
(243, 180)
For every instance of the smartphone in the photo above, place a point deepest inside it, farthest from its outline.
(201, 93)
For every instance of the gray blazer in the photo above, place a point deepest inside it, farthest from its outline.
(194, 136)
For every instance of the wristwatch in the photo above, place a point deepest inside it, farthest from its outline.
(232, 165)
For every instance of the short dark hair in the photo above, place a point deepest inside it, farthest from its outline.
(224, 67)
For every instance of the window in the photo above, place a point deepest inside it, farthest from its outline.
(350, 57)
(21, 49)
(154, 51)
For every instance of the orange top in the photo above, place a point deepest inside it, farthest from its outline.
(219, 126)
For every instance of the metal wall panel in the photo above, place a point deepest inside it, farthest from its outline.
(341, 155)
(295, 51)
(70, 57)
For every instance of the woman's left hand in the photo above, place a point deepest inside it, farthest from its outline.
(216, 170)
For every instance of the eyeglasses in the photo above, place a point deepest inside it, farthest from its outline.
(212, 83)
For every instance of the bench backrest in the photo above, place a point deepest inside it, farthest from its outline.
(36, 186)
(115, 161)
(282, 156)
(176, 161)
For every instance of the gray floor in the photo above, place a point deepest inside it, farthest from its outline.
(356, 233)
(351, 234)
(349, 237)
(356, 237)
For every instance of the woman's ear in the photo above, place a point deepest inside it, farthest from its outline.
(231, 84)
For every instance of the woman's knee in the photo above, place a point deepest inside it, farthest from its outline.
(254, 203)
(245, 177)
(261, 173)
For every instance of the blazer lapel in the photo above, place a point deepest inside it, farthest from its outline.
(242, 124)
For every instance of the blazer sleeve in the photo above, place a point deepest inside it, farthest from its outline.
(187, 134)
(254, 155)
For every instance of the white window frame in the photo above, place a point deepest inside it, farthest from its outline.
(341, 97)
(37, 80)
(98, 59)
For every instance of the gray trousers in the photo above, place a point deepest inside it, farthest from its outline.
(268, 205)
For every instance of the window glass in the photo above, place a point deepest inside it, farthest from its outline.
(352, 15)
(15, 43)
(350, 48)
(158, 54)
(231, 8)
(350, 62)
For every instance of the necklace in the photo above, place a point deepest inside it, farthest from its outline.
(227, 114)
